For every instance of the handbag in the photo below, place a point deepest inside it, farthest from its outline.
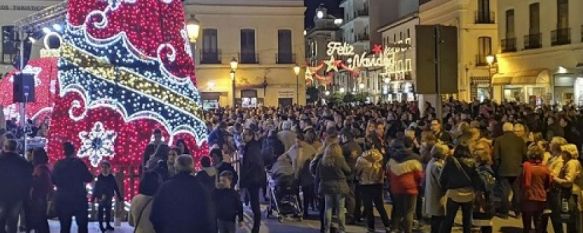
(141, 213)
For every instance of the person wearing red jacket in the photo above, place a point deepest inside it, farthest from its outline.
(404, 172)
(536, 181)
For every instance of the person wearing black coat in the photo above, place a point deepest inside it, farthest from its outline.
(16, 181)
(271, 148)
(70, 176)
(183, 204)
(460, 178)
(253, 175)
(217, 157)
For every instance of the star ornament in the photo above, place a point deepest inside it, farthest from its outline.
(332, 64)
(377, 49)
(97, 144)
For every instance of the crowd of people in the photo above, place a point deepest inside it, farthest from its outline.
(342, 162)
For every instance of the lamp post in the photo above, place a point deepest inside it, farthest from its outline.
(193, 31)
(297, 72)
(490, 60)
(234, 64)
(360, 87)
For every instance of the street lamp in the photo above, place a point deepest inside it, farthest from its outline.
(192, 32)
(234, 64)
(490, 60)
(360, 87)
(342, 90)
(297, 72)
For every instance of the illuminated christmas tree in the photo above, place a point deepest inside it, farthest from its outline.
(125, 70)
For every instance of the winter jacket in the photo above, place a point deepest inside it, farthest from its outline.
(228, 205)
(509, 154)
(288, 138)
(536, 181)
(15, 177)
(333, 177)
(222, 166)
(369, 168)
(405, 175)
(453, 178)
(434, 193)
(41, 182)
(299, 156)
(105, 186)
(271, 149)
(183, 205)
(208, 177)
(217, 137)
(139, 214)
(253, 168)
(70, 176)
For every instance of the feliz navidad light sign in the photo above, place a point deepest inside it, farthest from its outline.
(381, 57)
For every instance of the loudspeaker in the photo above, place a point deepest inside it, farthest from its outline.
(23, 88)
(437, 59)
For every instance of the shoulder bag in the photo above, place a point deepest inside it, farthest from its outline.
(141, 213)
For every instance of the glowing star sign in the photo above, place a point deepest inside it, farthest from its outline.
(377, 49)
(97, 144)
(332, 64)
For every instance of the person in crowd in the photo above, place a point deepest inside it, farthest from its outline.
(41, 187)
(300, 154)
(182, 147)
(352, 151)
(554, 128)
(271, 148)
(509, 154)
(286, 136)
(228, 204)
(434, 193)
(405, 172)
(568, 185)
(333, 171)
(483, 211)
(105, 187)
(459, 178)
(536, 181)
(312, 139)
(70, 176)
(16, 179)
(141, 206)
(370, 175)
(208, 175)
(253, 175)
(217, 156)
(155, 152)
(520, 131)
(218, 135)
(331, 138)
(172, 155)
(439, 133)
(193, 211)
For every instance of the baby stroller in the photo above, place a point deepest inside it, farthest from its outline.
(283, 198)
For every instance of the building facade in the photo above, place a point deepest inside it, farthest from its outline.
(477, 36)
(326, 28)
(540, 59)
(266, 37)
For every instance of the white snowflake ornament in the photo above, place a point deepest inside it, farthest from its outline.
(97, 144)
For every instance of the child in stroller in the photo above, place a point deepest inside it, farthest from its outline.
(283, 190)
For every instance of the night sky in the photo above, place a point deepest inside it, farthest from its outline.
(311, 5)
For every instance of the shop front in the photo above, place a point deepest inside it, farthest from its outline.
(211, 100)
(531, 87)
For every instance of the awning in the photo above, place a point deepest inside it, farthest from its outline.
(528, 77)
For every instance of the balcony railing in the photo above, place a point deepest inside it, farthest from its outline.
(508, 45)
(533, 41)
(363, 12)
(581, 33)
(481, 60)
(561, 36)
(248, 58)
(361, 37)
(485, 17)
(211, 57)
(285, 58)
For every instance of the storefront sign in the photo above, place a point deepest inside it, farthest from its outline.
(286, 93)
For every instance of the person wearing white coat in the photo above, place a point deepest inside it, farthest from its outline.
(434, 193)
(141, 207)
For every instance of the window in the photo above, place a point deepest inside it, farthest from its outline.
(562, 14)
(8, 48)
(284, 47)
(484, 49)
(483, 10)
(534, 18)
(210, 52)
(248, 46)
(408, 33)
(509, 24)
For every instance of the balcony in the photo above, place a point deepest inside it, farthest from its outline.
(210, 57)
(561, 36)
(481, 60)
(361, 37)
(533, 41)
(361, 13)
(581, 33)
(285, 58)
(485, 17)
(508, 45)
(248, 58)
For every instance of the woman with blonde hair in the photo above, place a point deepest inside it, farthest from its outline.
(568, 185)
(333, 185)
